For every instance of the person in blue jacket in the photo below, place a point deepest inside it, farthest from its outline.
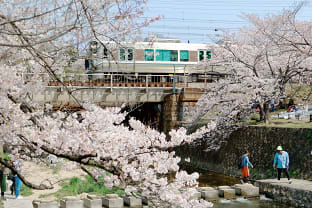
(246, 164)
(281, 159)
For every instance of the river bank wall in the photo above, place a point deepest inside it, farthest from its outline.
(261, 143)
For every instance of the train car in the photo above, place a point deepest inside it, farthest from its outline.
(160, 57)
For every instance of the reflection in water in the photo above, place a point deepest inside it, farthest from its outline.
(215, 179)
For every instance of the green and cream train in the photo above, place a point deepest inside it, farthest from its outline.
(163, 57)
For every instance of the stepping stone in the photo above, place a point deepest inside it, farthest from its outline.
(209, 193)
(92, 201)
(132, 201)
(228, 193)
(71, 202)
(205, 188)
(196, 195)
(145, 201)
(247, 190)
(223, 187)
(45, 204)
(112, 201)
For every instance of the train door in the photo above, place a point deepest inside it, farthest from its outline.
(127, 59)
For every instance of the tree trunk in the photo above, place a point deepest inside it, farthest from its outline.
(264, 113)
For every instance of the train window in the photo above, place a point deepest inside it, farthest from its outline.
(201, 55)
(130, 54)
(166, 55)
(149, 54)
(208, 53)
(204, 55)
(184, 56)
(162, 55)
(126, 54)
(122, 54)
(174, 56)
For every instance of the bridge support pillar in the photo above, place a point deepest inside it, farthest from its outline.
(178, 109)
(169, 117)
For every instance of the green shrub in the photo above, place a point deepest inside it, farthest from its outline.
(255, 116)
(5, 156)
(253, 122)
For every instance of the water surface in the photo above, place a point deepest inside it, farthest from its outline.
(260, 202)
(207, 178)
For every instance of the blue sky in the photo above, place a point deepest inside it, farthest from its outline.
(196, 20)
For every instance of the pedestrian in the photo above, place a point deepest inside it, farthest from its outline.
(11, 178)
(3, 176)
(281, 159)
(246, 163)
(17, 180)
(272, 105)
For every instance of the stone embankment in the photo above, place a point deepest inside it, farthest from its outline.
(296, 194)
(114, 201)
(261, 143)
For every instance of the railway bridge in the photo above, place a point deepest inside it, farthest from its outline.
(163, 101)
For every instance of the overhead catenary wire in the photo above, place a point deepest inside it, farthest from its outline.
(197, 19)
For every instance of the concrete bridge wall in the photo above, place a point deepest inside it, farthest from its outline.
(176, 110)
(101, 96)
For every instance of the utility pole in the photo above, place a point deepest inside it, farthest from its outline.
(173, 86)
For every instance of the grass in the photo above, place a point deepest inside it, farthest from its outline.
(57, 167)
(26, 191)
(77, 186)
(287, 123)
(5, 156)
(279, 122)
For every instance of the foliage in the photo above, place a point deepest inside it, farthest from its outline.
(253, 122)
(57, 167)
(77, 186)
(261, 60)
(5, 155)
(294, 172)
(300, 93)
(255, 117)
(26, 191)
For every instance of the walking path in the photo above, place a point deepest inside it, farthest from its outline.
(296, 183)
(42, 173)
(11, 202)
(20, 203)
(298, 193)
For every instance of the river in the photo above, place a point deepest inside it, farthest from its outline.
(214, 179)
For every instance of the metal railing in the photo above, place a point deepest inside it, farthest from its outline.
(100, 80)
(149, 83)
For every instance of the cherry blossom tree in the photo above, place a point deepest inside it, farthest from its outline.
(36, 37)
(260, 60)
